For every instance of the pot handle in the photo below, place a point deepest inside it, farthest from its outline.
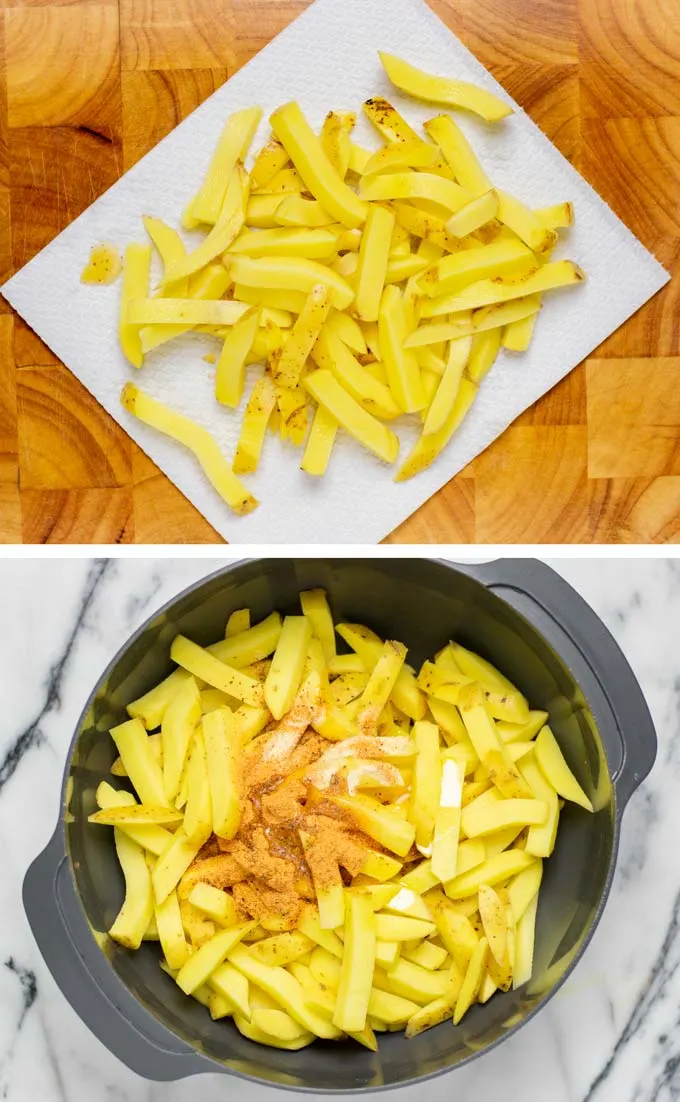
(85, 977)
(524, 583)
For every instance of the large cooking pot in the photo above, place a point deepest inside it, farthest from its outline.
(517, 613)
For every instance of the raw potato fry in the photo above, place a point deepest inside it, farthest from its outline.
(411, 982)
(408, 154)
(541, 837)
(228, 225)
(523, 887)
(269, 161)
(429, 445)
(171, 932)
(472, 981)
(290, 273)
(259, 409)
(134, 815)
(315, 244)
(330, 353)
(558, 273)
(223, 746)
(524, 944)
(140, 763)
(136, 912)
(198, 809)
(154, 839)
(474, 214)
(314, 604)
(232, 147)
(414, 185)
(491, 752)
(494, 921)
(455, 93)
(136, 269)
(354, 989)
(556, 771)
(181, 716)
(426, 787)
(151, 707)
(335, 139)
(448, 386)
(228, 982)
(303, 335)
(209, 284)
(185, 312)
(402, 928)
(286, 182)
(380, 684)
(229, 376)
(196, 439)
(171, 249)
(527, 225)
(296, 211)
(447, 822)
(373, 260)
(491, 872)
(320, 178)
(455, 272)
(285, 989)
(214, 903)
(285, 674)
(460, 155)
(380, 824)
(215, 671)
(353, 418)
(402, 368)
(201, 964)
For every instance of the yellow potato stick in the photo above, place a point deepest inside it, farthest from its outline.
(254, 1033)
(140, 762)
(135, 815)
(249, 646)
(426, 955)
(381, 824)
(215, 903)
(181, 716)
(211, 284)
(185, 311)
(223, 747)
(459, 154)
(402, 928)
(479, 669)
(414, 185)
(201, 964)
(198, 811)
(319, 443)
(432, 1014)
(327, 882)
(490, 750)
(474, 214)
(400, 268)
(315, 607)
(494, 923)
(560, 216)
(408, 154)
(402, 368)
(388, 122)
(452, 93)
(285, 674)
(420, 879)
(357, 421)
(380, 866)
(315, 244)
(517, 334)
(290, 273)
(358, 158)
(330, 353)
(230, 372)
(151, 707)
(310, 926)
(286, 182)
(456, 932)
(135, 285)
(472, 982)
(554, 768)
(305, 331)
(406, 694)
(429, 445)
(171, 932)
(268, 162)
(354, 988)
(251, 439)
(426, 785)
(387, 953)
(348, 330)
(213, 669)
(493, 871)
(447, 822)
(523, 887)
(485, 348)
(262, 210)
(380, 684)
(320, 177)
(196, 439)
(391, 1009)
(228, 225)
(541, 837)
(456, 271)
(373, 259)
(426, 225)
(407, 980)
(486, 292)
(448, 386)
(296, 211)
(136, 912)
(232, 147)
(284, 989)
(282, 948)
(152, 838)
(508, 706)
(278, 1024)
(170, 248)
(524, 945)
(228, 982)
(336, 141)
(525, 223)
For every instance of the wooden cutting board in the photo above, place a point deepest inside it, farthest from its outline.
(88, 86)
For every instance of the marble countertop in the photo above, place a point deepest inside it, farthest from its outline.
(610, 1035)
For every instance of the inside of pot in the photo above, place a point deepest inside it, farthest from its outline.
(424, 604)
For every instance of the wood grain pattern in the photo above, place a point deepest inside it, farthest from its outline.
(87, 87)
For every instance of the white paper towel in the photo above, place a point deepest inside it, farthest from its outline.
(328, 59)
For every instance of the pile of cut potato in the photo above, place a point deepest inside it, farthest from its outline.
(369, 285)
(444, 784)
